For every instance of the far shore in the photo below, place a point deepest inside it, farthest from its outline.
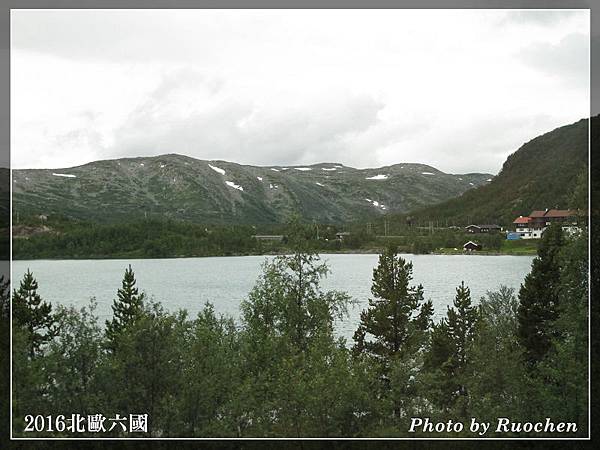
(361, 251)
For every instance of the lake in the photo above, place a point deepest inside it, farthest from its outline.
(225, 281)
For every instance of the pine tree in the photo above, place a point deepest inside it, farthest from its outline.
(448, 355)
(538, 298)
(33, 314)
(127, 308)
(397, 317)
(462, 319)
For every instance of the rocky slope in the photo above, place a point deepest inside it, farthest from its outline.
(180, 187)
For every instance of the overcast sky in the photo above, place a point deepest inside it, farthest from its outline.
(457, 89)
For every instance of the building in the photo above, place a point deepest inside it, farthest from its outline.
(472, 246)
(523, 227)
(533, 226)
(483, 228)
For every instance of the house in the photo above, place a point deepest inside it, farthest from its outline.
(523, 227)
(342, 235)
(489, 228)
(472, 246)
(532, 226)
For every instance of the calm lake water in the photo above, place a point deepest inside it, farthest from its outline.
(188, 283)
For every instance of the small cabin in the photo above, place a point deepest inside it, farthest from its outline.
(490, 228)
(472, 246)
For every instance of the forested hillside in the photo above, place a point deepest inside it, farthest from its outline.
(541, 174)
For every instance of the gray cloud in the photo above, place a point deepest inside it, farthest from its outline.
(365, 88)
(236, 130)
(567, 59)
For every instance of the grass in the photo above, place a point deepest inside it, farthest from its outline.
(524, 247)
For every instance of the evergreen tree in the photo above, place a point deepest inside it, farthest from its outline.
(462, 319)
(562, 376)
(538, 298)
(127, 308)
(448, 355)
(33, 314)
(397, 317)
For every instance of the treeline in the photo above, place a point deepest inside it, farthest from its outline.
(281, 371)
(61, 238)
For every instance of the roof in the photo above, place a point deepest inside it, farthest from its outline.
(537, 214)
(522, 219)
(472, 243)
(553, 213)
(560, 213)
(484, 226)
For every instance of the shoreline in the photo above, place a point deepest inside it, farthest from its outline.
(372, 251)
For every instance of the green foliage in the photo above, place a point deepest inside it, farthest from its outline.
(127, 308)
(562, 376)
(449, 355)
(538, 297)
(398, 317)
(33, 314)
(498, 383)
(539, 174)
(281, 372)
(73, 359)
(288, 301)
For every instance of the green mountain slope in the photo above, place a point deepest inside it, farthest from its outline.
(179, 187)
(541, 174)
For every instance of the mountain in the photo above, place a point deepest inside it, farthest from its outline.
(180, 187)
(540, 174)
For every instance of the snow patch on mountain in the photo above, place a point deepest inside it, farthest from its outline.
(303, 169)
(377, 177)
(376, 204)
(427, 173)
(233, 185)
(217, 169)
(66, 175)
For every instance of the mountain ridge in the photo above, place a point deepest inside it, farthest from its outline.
(218, 191)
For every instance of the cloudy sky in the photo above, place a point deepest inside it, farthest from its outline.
(456, 89)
